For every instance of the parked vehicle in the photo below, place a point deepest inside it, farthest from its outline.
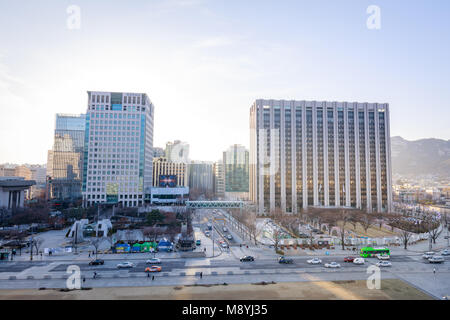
(96, 262)
(198, 242)
(383, 257)
(428, 255)
(224, 245)
(384, 263)
(285, 260)
(332, 265)
(246, 258)
(436, 259)
(445, 252)
(153, 269)
(207, 233)
(349, 259)
(314, 261)
(225, 229)
(358, 261)
(229, 237)
(125, 265)
(153, 261)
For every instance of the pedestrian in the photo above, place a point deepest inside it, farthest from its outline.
(153, 278)
(201, 275)
(84, 279)
(95, 274)
(148, 275)
(89, 254)
(434, 270)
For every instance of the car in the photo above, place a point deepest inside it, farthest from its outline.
(384, 263)
(428, 255)
(153, 261)
(207, 233)
(349, 259)
(284, 260)
(225, 229)
(445, 252)
(358, 261)
(224, 245)
(153, 269)
(125, 265)
(383, 257)
(246, 258)
(314, 261)
(198, 242)
(436, 259)
(96, 262)
(446, 237)
(229, 237)
(332, 265)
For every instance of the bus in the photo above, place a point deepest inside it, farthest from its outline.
(369, 252)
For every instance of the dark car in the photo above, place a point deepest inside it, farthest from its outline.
(246, 258)
(96, 262)
(285, 260)
(349, 259)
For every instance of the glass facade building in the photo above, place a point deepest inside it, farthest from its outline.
(118, 148)
(328, 154)
(235, 164)
(65, 176)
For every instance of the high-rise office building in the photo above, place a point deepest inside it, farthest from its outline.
(236, 172)
(201, 176)
(219, 179)
(177, 151)
(158, 152)
(118, 150)
(311, 153)
(163, 168)
(66, 158)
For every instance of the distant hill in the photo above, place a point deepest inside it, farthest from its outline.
(424, 156)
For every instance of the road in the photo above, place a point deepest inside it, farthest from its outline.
(223, 266)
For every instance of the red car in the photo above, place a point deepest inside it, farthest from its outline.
(349, 259)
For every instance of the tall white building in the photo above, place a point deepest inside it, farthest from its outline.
(314, 153)
(118, 154)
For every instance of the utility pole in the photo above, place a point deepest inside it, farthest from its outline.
(31, 248)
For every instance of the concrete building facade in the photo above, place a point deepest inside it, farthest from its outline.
(313, 153)
(118, 148)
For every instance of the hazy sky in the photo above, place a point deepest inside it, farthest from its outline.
(204, 62)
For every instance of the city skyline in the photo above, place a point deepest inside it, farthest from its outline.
(206, 75)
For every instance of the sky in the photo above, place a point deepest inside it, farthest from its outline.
(204, 62)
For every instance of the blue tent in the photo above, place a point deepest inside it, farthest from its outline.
(165, 245)
(122, 248)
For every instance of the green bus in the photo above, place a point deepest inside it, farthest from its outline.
(368, 252)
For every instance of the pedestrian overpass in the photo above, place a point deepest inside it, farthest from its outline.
(215, 204)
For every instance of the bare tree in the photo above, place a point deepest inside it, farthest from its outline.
(254, 231)
(342, 217)
(96, 244)
(405, 232)
(37, 242)
(367, 220)
(152, 233)
(431, 224)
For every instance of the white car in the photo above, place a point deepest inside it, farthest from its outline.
(125, 265)
(445, 252)
(314, 261)
(224, 245)
(358, 261)
(153, 261)
(229, 237)
(436, 259)
(384, 264)
(225, 229)
(383, 257)
(428, 255)
(207, 234)
(332, 265)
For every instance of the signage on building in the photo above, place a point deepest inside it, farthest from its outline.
(168, 181)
